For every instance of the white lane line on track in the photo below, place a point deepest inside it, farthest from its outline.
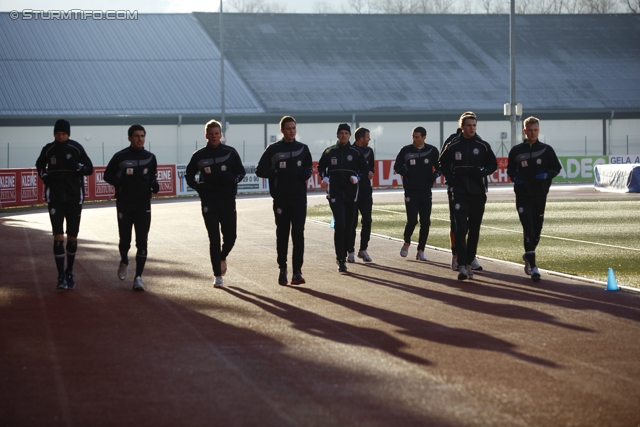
(520, 232)
(53, 352)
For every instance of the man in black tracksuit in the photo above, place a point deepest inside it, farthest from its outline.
(466, 162)
(532, 165)
(288, 165)
(365, 199)
(341, 166)
(220, 169)
(475, 265)
(132, 172)
(62, 166)
(417, 163)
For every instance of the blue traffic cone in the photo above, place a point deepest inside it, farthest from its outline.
(332, 224)
(612, 283)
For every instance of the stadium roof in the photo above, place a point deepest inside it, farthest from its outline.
(355, 63)
(156, 65)
(169, 64)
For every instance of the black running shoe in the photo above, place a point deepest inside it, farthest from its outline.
(342, 266)
(62, 282)
(297, 278)
(71, 283)
(282, 278)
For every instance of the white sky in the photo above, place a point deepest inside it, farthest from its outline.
(165, 6)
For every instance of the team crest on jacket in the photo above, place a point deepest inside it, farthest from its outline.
(129, 171)
(458, 155)
(476, 151)
(426, 161)
(53, 160)
(520, 210)
(68, 156)
(333, 200)
(145, 171)
(349, 157)
(279, 211)
(223, 168)
(207, 169)
(539, 161)
(119, 215)
(407, 199)
(205, 209)
(299, 163)
(524, 164)
(457, 206)
(53, 211)
(412, 162)
(334, 161)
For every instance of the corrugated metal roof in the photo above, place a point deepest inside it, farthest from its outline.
(361, 63)
(157, 64)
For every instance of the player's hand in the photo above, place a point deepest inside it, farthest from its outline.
(517, 180)
(325, 180)
(155, 187)
(353, 179)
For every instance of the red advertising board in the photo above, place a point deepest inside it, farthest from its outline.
(22, 187)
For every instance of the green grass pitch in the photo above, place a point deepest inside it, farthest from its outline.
(579, 237)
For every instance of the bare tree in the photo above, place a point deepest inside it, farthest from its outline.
(322, 6)
(362, 6)
(257, 6)
(434, 6)
(394, 6)
(633, 5)
(601, 6)
(494, 6)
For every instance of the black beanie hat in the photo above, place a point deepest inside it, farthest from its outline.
(62, 126)
(344, 126)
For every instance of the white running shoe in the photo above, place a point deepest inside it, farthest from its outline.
(137, 284)
(405, 250)
(365, 256)
(122, 271)
(454, 263)
(535, 274)
(469, 272)
(223, 267)
(462, 273)
(218, 283)
(475, 265)
(527, 266)
(420, 256)
(351, 257)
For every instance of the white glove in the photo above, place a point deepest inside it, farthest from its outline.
(354, 179)
(326, 180)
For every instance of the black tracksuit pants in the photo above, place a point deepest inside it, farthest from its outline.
(364, 205)
(138, 216)
(344, 211)
(220, 217)
(468, 210)
(531, 213)
(290, 216)
(417, 203)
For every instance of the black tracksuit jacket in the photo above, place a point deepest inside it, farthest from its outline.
(220, 171)
(418, 168)
(340, 162)
(466, 163)
(528, 160)
(288, 166)
(133, 174)
(62, 167)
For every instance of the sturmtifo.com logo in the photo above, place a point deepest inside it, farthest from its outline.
(74, 14)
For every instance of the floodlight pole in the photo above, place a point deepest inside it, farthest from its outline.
(512, 68)
(223, 122)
